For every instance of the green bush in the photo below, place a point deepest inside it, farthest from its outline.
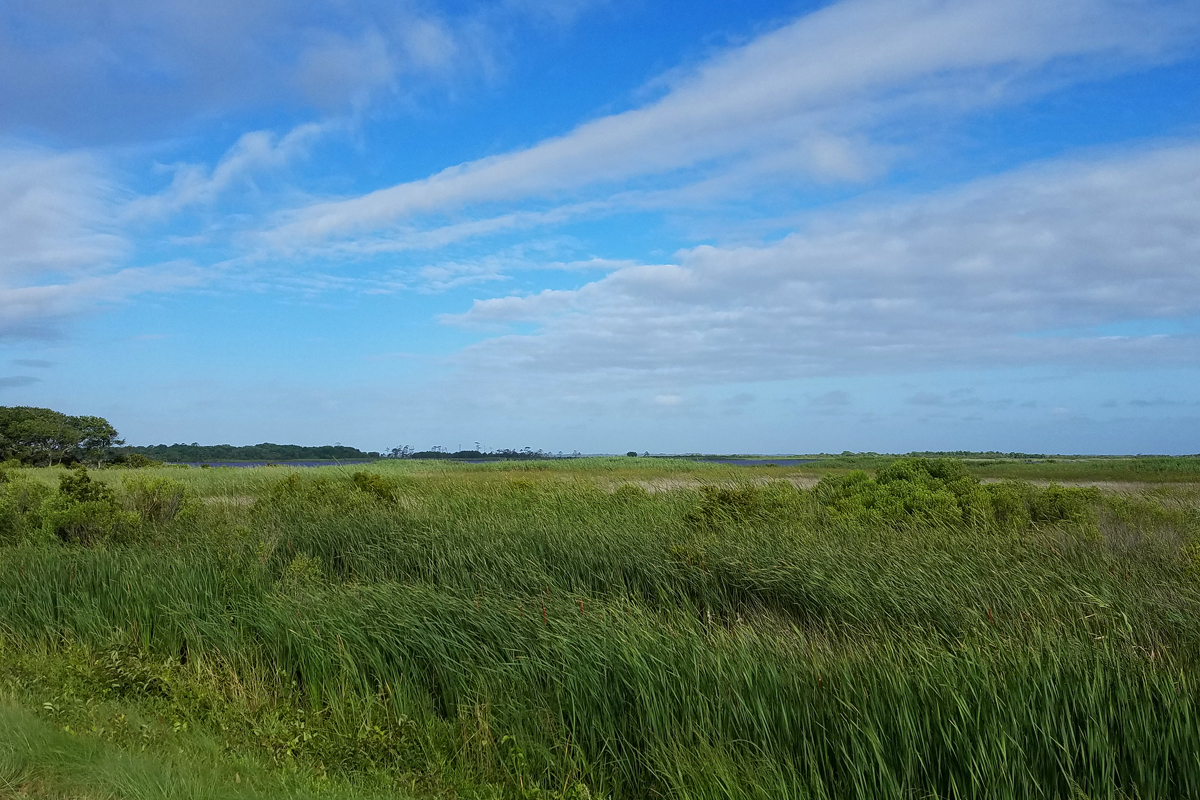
(158, 500)
(303, 571)
(86, 512)
(941, 492)
(21, 502)
(78, 485)
(375, 484)
(1010, 502)
(720, 504)
(139, 461)
(297, 493)
(630, 493)
(88, 522)
(1065, 504)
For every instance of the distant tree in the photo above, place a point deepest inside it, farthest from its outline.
(267, 451)
(632, 454)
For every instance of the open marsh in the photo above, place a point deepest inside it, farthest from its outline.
(555, 630)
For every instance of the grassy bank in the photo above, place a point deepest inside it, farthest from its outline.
(552, 629)
(1110, 469)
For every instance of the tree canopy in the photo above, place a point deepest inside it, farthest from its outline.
(42, 436)
(267, 451)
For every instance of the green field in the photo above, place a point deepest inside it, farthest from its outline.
(618, 628)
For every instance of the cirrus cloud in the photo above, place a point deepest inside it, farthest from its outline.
(817, 89)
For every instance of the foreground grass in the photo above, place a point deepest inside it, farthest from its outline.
(556, 631)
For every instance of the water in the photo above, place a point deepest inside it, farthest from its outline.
(280, 463)
(760, 462)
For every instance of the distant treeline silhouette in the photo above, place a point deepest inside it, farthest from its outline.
(505, 454)
(198, 453)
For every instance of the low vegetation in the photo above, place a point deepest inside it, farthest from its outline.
(618, 628)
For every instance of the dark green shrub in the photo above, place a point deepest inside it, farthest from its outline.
(139, 461)
(78, 485)
(727, 505)
(301, 572)
(924, 471)
(318, 495)
(87, 522)
(1010, 503)
(1065, 504)
(85, 511)
(374, 484)
(20, 508)
(942, 492)
(629, 493)
(908, 494)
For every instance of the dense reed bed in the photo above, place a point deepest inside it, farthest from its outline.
(559, 631)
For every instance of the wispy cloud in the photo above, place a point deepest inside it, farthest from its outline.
(55, 214)
(64, 251)
(955, 279)
(817, 89)
(37, 311)
(254, 151)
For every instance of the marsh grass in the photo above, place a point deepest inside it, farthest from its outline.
(557, 631)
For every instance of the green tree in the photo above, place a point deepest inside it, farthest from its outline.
(43, 436)
(96, 437)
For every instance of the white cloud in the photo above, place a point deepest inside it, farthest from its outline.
(37, 311)
(257, 150)
(63, 249)
(978, 276)
(813, 89)
(54, 214)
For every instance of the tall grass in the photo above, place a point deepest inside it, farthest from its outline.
(543, 630)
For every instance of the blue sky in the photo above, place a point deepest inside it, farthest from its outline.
(604, 225)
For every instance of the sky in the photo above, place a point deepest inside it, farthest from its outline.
(606, 225)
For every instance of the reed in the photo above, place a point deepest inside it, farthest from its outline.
(565, 632)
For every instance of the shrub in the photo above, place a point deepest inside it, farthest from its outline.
(629, 493)
(942, 492)
(1062, 504)
(317, 495)
(727, 505)
(374, 484)
(302, 571)
(7, 467)
(905, 494)
(85, 511)
(1011, 502)
(88, 522)
(20, 508)
(157, 500)
(139, 461)
(78, 485)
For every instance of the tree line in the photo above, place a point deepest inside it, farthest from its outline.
(267, 451)
(503, 454)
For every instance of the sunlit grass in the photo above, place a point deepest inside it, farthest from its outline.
(508, 629)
